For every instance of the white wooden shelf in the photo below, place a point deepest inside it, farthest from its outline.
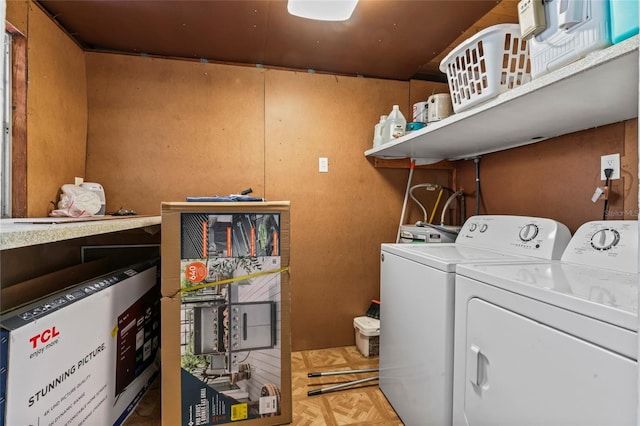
(16, 233)
(599, 89)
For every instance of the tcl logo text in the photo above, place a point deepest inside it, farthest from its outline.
(44, 337)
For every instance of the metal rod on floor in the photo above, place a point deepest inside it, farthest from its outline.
(335, 373)
(340, 386)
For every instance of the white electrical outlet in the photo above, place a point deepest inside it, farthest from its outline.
(611, 161)
(323, 164)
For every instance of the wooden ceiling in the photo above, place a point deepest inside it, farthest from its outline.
(390, 39)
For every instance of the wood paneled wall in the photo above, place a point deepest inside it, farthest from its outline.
(557, 177)
(160, 130)
(56, 107)
(170, 129)
(18, 14)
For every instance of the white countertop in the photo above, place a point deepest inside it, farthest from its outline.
(25, 232)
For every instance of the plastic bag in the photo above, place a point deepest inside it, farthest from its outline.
(76, 201)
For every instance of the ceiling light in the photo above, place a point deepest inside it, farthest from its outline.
(322, 10)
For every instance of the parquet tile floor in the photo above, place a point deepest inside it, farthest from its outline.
(359, 405)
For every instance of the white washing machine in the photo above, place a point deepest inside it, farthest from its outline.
(551, 343)
(417, 302)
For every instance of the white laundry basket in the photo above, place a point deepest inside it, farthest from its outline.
(485, 65)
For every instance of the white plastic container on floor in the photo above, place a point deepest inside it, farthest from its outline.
(574, 28)
(367, 335)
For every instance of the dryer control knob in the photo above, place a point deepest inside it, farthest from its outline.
(473, 227)
(605, 239)
(484, 227)
(528, 232)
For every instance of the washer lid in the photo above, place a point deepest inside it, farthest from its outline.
(445, 256)
(602, 294)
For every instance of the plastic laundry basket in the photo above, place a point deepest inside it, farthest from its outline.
(485, 65)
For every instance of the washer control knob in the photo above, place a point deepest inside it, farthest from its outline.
(528, 232)
(484, 227)
(473, 227)
(605, 239)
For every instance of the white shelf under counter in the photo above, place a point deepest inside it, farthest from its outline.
(600, 89)
(23, 232)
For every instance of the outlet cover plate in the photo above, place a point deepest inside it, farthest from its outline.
(323, 164)
(611, 161)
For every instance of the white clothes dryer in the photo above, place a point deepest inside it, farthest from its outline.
(417, 302)
(551, 343)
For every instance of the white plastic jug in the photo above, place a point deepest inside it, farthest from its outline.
(377, 131)
(395, 125)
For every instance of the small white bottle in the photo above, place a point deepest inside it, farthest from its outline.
(395, 126)
(377, 132)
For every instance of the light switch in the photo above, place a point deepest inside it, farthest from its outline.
(323, 164)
